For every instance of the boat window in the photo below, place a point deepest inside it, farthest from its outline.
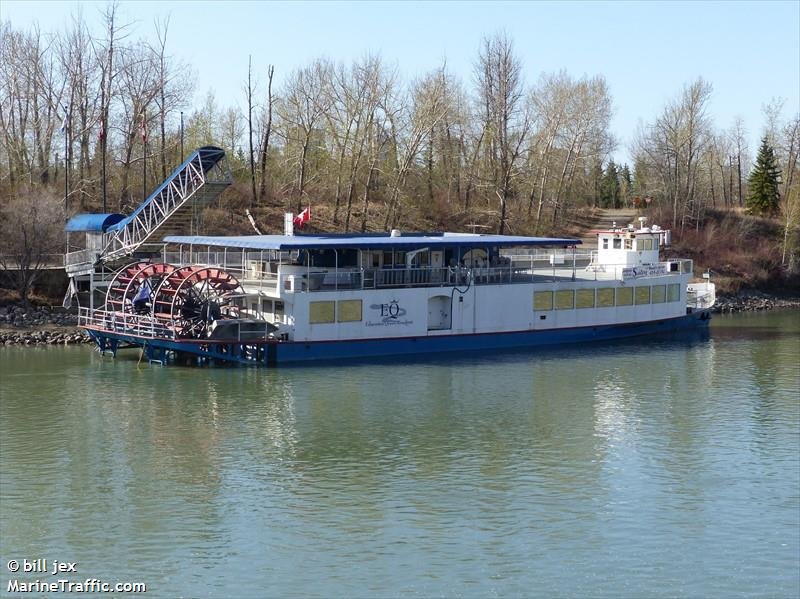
(605, 297)
(584, 298)
(617, 243)
(642, 295)
(387, 259)
(624, 296)
(629, 244)
(565, 299)
(605, 243)
(543, 300)
(278, 307)
(655, 243)
(644, 244)
(321, 312)
(673, 292)
(349, 310)
(686, 266)
(659, 294)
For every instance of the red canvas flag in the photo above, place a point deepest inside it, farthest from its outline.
(301, 219)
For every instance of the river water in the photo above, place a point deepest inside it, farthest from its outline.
(645, 468)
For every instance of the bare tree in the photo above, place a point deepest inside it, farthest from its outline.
(31, 234)
(267, 133)
(505, 120)
(673, 146)
(250, 154)
(301, 108)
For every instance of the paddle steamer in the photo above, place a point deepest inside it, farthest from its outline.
(271, 299)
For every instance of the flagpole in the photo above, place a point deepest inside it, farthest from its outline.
(66, 164)
(103, 152)
(144, 158)
(181, 136)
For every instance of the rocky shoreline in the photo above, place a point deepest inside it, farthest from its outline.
(56, 326)
(39, 326)
(753, 301)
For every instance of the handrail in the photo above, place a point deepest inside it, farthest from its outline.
(123, 322)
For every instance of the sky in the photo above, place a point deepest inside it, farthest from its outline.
(647, 51)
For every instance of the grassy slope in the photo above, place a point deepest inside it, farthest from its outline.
(743, 252)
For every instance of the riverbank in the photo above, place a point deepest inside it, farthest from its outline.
(39, 325)
(753, 301)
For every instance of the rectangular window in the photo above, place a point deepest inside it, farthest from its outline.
(624, 296)
(605, 243)
(388, 259)
(644, 244)
(605, 297)
(321, 312)
(584, 298)
(642, 295)
(686, 267)
(673, 292)
(543, 300)
(659, 294)
(617, 243)
(565, 299)
(349, 310)
(629, 244)
(655, 243)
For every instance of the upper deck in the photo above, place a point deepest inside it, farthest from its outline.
(277, 264)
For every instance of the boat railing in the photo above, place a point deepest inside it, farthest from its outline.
(263, 271)
(138, 325)
(701, 296)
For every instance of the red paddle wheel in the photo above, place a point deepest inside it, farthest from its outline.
(191, 298)
(123, 289)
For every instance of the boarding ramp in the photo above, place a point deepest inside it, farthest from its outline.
(170, 209)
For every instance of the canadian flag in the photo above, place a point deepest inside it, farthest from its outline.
(301, 219)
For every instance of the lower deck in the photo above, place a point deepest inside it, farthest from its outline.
(273, 352)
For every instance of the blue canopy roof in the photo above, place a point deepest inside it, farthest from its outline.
(334, 241)
(98, 223)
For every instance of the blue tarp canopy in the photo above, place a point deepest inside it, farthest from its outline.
(95, 223)
(406, 241)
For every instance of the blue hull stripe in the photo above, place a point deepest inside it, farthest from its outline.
(327, 350)
(285, 352)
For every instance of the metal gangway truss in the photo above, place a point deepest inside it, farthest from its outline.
(170, 209)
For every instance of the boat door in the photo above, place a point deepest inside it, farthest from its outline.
(439, 313)
(436, 266)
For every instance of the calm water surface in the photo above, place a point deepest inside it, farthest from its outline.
(657, 469)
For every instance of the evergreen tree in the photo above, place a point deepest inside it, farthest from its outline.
(763, 196)
(609, 188)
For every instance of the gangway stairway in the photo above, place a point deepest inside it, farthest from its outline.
(169, 210)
